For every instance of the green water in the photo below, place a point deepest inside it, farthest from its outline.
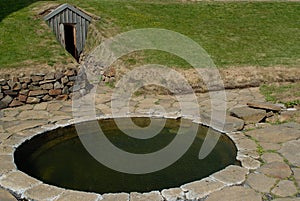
(59, 158)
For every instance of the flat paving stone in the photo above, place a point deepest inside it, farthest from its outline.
(271, 157)
(26, 125)
(77, 196)
(14, 140)
(18, 181)
(199, 189)
(6, 196)
(8, 119)
(249, 163)
(173, 194)
(296, 173)
(264, 105)
(31, 114)
(235, 193)
(260, 182)
(246, 144)
(10, 112)
(231, 175)
(276, 169)
(154, 195)
(287, 199)
(250, 153)
(1, 129)
(276, 133)
(231, 124)
(43, 192)
(5, 150)
(285, 188)
(53, 106)
(41, 106)
(115, 197)
(25, 107)
(6, 164)
(270, 146)
(290, 150)
(249, 115)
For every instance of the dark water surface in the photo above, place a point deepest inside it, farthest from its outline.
(59, 158)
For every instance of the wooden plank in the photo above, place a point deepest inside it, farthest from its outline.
(57, 28)
(73, 17)
(78, 33)
(70, 16)
(83, 28)
(87, 24)
(62, 35)
(75, 41)
(65, 16)
(51, 24)
(61, 17)
(54, 26)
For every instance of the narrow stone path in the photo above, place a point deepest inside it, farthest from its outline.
(269, 152)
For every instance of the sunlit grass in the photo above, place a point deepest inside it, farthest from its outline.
(233, 34)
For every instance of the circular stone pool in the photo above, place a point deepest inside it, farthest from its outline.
(59, 158)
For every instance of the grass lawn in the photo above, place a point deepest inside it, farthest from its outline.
(289, 94)
(26, 40)
(234, 34)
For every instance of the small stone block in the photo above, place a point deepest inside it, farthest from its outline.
(267, 106)
(249, 115)
(77, 196)
(154, 195)
(54, 92)
(115, 197)
(260, 182)
(43, 192)
(231, 175)
(199, 189)
(271, 157)
(235, 193)
(285, 188)
(173, 194)
(276, 169)
(38, 92)
(249, 162)
(18, 181)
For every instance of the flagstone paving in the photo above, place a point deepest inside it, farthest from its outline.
(269, 153)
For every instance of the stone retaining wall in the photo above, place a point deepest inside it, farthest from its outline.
(41, 87)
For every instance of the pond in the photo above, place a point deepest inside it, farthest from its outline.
(59, 158)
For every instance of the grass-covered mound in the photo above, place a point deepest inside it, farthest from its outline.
(234, 34)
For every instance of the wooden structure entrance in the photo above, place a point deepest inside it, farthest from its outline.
(70, 25)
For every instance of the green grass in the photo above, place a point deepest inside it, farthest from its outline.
(234, 34)
(26, 40)
(289, 94)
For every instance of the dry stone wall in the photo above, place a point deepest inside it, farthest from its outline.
(41, 87)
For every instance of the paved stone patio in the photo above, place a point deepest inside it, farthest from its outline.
(269, 154)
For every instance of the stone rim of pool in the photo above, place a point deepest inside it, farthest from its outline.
(30, 188)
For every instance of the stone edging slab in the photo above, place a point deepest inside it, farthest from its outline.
(30, 188)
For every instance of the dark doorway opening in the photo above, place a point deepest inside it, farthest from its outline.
(70, 39)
